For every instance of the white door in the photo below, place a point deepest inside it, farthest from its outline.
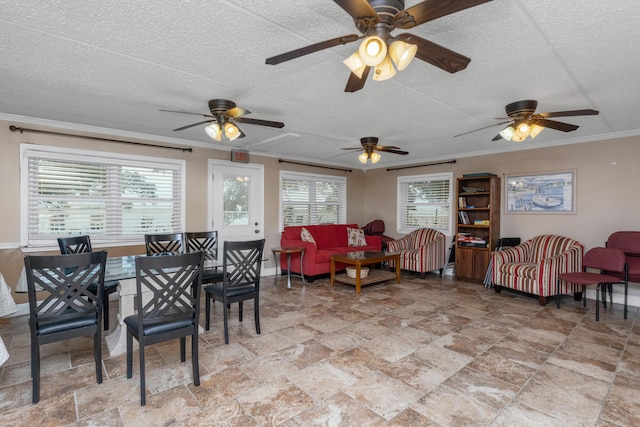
(236, 208)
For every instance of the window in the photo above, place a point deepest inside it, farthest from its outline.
(312, 199)
(113, 198)
(425, 201)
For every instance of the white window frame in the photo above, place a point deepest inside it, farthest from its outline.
(340, 180)
(28, 151)
(403, 181)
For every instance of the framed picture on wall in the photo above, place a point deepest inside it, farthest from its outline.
(541, 193)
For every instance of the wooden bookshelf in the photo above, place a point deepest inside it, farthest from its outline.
(479, 202)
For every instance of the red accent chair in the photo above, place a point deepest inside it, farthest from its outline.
(422, 250)
(629, 242)
(533, 266)
(603, 260)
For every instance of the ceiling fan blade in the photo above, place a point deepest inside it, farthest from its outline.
(194, 124)
(352, 148)
(259, 122)
(482, 128)
(236, 112)
(188, 112)
(287, 56)
(587, 112)
(552, 124)
(498, 137)
(435, 54)
(390, 150)
(384, 147)
(429, 10)
(358, 9)
(354, 83)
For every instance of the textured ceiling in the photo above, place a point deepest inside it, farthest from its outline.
(115, 64)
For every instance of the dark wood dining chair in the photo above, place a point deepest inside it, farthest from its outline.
(242, 262)
(165, 244)
(69, 309)
(79, 245)
(168, 307)
(207, 242)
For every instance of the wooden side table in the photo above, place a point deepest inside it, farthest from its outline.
(277, 253)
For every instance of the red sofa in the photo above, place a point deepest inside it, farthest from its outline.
(330, 239)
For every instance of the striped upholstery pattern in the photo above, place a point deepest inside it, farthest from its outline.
(422, 250)
(533, 266)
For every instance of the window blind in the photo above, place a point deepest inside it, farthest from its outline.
(425, 201)
(312, 199)
(112, 199)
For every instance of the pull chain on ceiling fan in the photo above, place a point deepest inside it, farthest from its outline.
(376, 20)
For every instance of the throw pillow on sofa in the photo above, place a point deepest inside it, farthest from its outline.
(356, 237)
(306, 236)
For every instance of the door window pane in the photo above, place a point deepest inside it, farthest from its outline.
(236, 200)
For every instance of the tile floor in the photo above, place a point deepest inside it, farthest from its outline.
(434, 352)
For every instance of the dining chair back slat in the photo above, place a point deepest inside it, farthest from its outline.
(79, 245)
(207, 242)
(163, 244)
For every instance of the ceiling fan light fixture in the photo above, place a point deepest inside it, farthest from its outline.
(231, 131)
(363, 157)
(517, 138)
(375, 157)
(402, 53)
(507, 133)
(523, 130)
(535, 130)
(214, 131)
(384, 70)
(372, 50)
(355, 64)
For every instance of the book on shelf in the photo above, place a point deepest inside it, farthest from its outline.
(464, 217)
(462, 202)
(481, 222)
(472, 244)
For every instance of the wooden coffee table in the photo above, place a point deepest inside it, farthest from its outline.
(361, 259)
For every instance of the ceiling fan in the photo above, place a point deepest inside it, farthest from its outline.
(225, 116)
(525, 122)
(376, 19)
(371, 147)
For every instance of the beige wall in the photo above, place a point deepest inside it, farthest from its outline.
(11, 258)
(606, 192)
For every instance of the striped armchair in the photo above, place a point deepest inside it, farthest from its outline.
(533, 266)
(421, 250)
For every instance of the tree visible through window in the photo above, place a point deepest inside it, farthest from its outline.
(68, 192)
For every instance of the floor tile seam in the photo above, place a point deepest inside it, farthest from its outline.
(247, 410)
(408, 405)
(616, 373)
(467, 396)
(559, 348)
(534, 379)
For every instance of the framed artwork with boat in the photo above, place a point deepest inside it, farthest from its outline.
(541, 193)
